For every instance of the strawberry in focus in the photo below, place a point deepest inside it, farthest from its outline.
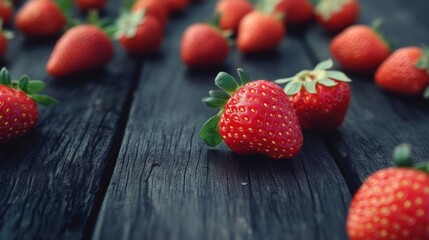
(405, 72)
(360, 49)
(155, 8)
(204, 46)
(18, 105)
(296, 12)
(139, 33)
(320, 97)
(231, 13)
(86, 5)
(260, 32)
(392, 203)
(40, 18)
(336, 15)
(83, 48)
(6, 12)
(254, 118)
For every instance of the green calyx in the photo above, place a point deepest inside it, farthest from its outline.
(310, 78)
(6, 33)
(266, 6)
(326, 8)
(30, 87)
(127, 23)
(423, 64)
(376, 26)
(402, 158)
(217, 99)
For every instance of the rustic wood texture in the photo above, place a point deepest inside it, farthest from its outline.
(377, 121)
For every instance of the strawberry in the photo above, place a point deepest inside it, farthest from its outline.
(6, 11)
(90, 4)
(320, 97)
(254, 117)
(82, 48)
(4, 37)
(138, 33)
(259, 32)
(231, 13)
(406, 72)
(156, 8)
(360, 49)
(393, 203)
(40, 18)
(297, 12)
(175, 6)
(203, 45)
(18, 105)
(336, 15)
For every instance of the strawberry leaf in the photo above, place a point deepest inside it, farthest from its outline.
(402, 155)
(210, 132)
(423, 167)
(426, 93)
(219, 94)
(35, 86)
(284, 80)
(226, 82)
(128, 22)
(310, 86)
(339, 76)
(327, 64)
(327, 82)
(243, 76)
(213, 102)
(23, 83)
(44, 100)
(292, 88)
(5, 77)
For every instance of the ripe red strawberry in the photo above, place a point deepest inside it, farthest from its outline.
(320, 97)
(259, 32)
(336, 15)
(18, 109)
(139, 34)
(90, 4)
(175, 6)
(6, 11)
(297, 12)
(156, 8)
(406, 72)
(203, 45)
(254, 117)
(360, 49)
(231, 13)
(392, 203)
(4, 36)
(82, 48)
(40, 18)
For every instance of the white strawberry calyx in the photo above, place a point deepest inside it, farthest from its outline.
(310, 78)
(423, 64)
(218, 99)
(326, 8)
(402, 158)
(30, 87)
(127, 23)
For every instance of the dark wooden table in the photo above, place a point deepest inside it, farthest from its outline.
(120, 157)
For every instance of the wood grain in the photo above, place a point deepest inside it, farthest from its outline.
(168, 185)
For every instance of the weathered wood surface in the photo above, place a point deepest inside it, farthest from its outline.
(93, 170)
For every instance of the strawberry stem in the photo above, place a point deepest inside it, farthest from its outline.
(402, 155)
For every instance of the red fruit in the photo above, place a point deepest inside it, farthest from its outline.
(359, 49)
(336, 15)
(3, 45)
(6, 12)
(406, 71)
(259, 32)
(40, 18)
(82, 48)
(90, 4)
(231, 13)
(204, 46)
(296, 12)
(392, 203)
(139, 37)
(156, 8)
(18, 109)
(177, 5)
(320, 97)
(255, 117)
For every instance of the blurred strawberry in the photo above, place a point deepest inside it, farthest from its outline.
(156, 8)
(296, 12)
(336, 15)
(6, 11)
(90, 4)
(231, 12)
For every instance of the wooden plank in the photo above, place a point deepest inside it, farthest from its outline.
(168, 185)
(377, 121)
(50, 181)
